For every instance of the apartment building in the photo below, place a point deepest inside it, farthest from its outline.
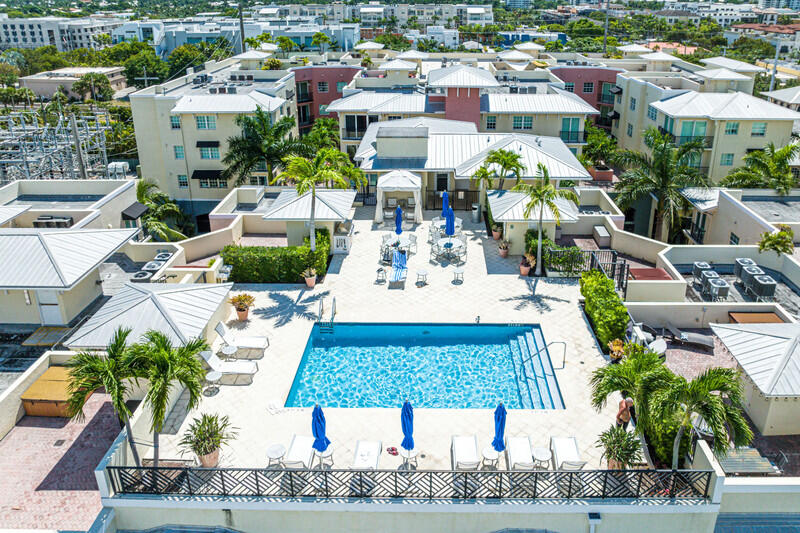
(785, 36)
(64, 33)
(444, 36)
(673, 16)
(722, 13)
(45, 84)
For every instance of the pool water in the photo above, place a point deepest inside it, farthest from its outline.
(432, 365)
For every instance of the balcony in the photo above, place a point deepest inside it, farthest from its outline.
(606, 99)
(352, 135)
(304, 97)
(603, 122)
(707, 140)
(573, 137)
(697, 233)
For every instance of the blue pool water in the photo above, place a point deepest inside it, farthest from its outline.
(431, 365)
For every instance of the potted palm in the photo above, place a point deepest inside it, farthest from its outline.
(205, 436)
(616, 349)
(503, 248)
(528, 261)
(497, 232)
(620, 447)
(310, 275)
(242, 303)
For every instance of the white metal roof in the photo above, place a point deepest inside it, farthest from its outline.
(397, 64)
(461, 76)
(252, 54)
(472, 45)
(226, 103)
(658, 56)
(703, 200)
(731, 64)
(10, 212)
(723, 106)
(514, 55)
(632, 48)
(788, 96)
(721, 74)
(768, 353)
(179, 310)
(54, 259)
(366, 147)
(368, 45)
(413, 54)
(509, 206)
(399, 180)
(360, 101)
(332, 205)
(268, 47)
(534, 104)
(530, 45)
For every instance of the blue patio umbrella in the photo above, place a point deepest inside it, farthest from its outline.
(407, 423)
(499, 427)
(321, 442)
(449, 223)
(445, 204)
(398, 220)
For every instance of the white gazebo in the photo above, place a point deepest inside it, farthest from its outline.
(368, 46)
(399, 181)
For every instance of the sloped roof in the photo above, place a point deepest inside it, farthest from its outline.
(768, 353)
(789, 96)
(397, 64)
(10, 212)
(721, 74)
(658, 56)
(461, 76)
(226, 103)
(472, 45)
(360, 101)
(704, 200)
(634, 47)
(369, 45)
(269, 47)
(509, 206)
(399, 180)
(731, 64)
(723, 106)
(179, 310)
(534, 103)
(433, 125)
(413, 54)
(331, 205)
(514, 55)
(252, 54)
(54, 259)
(530, 45)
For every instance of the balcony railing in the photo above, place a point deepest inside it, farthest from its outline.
(707, 140)
(603, 122)
(573, 136)
(304, 97)
(352, 135)
(697, 233)
(413, 484)
(607, 98)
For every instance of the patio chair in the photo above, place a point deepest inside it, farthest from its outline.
(249, 346)
(397, 277)
(690, 338)
(565, 453)
(300, 454)
(518, 453)
(464, 453)
(391, 205)
(367, 454)
(412, 243)
(436, 251)
(233, 372)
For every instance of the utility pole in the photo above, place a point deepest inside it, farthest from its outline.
(242, 46)
(605, 33)
(78, 150)
(775, 66)
(145, 78)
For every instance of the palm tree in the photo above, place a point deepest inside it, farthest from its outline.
(320, 39)
(716, 395)
(767, 168)
(91, 371)
(164, 366)
(482, 178)
(507, 163)
(543, 194)
(285, 44)
(305, 174)
(261, 142)
(25, 95)
(160, 210)
(662, 174)
(780, 242)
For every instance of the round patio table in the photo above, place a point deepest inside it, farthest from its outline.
(402, 240)
(450, 245)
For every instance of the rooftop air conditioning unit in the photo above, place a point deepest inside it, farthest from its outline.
(63, 222)
(231, 90)
(212, 90)
(222, 90)
(249, 77)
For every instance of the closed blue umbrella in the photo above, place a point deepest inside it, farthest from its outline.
(499, 428)
(445, 203)
(321, 442)
(407, 423)
(449, 223)
(398, 220)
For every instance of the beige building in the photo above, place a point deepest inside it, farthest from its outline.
(45, 84)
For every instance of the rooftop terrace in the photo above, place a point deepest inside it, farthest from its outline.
(775, 208)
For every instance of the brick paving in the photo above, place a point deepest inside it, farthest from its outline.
(691, 361)
(48, 484)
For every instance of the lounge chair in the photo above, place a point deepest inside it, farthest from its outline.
(691, 338)
(409, 213)
(565, 453)
(464, 453)
(399, 273)
(518, 453)
(233, 372)
(391, 205)
(250, 347)
(367, 454)
(300, 453)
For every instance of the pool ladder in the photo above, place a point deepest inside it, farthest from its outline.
(326, 327)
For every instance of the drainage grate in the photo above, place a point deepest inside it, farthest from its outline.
(58, 443)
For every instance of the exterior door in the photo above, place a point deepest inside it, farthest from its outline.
(48, 308)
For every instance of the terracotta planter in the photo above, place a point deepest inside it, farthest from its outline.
(613, 464)
(210, 460)
(310, 282)
(524, 270)
(503, 252)
(496, 235)
(601, 173)
(242, 314)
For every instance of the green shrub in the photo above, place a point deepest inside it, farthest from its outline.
(603, 307)
(532, 240)
(660, 435)
(257, 264)
(569, 260)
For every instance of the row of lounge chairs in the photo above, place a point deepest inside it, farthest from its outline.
(300, 454)
(519, 455)
(241, 370)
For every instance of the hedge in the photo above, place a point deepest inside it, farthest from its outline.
(258, 264)
(603, 306)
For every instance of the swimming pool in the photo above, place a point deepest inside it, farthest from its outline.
(431, 365)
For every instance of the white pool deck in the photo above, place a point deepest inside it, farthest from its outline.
(492, 289)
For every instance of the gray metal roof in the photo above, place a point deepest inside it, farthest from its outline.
(731, 64)
(179, 310)
(535, 104)
(10, 212)
(54, 259)
(413, 54)
(509, 206)
(227, 103)
(399, 180)
(514, 55)
(658, 56)
(530, 45)
(405, 132)
(361, 101)
(332, 205)
(721, 74)
(702, 199)
(723, 106)
(368, 45)
(397, 64)
(789, 96)
(433, 125)
(633, 48)
(461, 76)
(768, 353)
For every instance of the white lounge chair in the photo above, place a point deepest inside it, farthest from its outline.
(565, 453)
(464, 453)
(391, 205)
(367, 454)
(247, 347)
(233, 372)
(300, 453)
(518, 453)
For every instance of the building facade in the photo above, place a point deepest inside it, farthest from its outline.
(64, 33)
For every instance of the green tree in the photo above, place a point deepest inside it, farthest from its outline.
(780, 242)
(9, 74)
(542, 194)
(716, 395)
(24, 96)
(136, 65)
(324, 134)
(164, 366)
(162, 213)
(483, 179)
(504, 164)
(600, 147)
(183, 57)
(260, 143)
(90, 371)
(95, 85)
(285, 44)
(319, 40)
(766, 169)
(662, 174)
(8, 95)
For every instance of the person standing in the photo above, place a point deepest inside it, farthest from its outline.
(624, 413)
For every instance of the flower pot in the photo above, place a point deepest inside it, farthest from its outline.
(503, 252)
(210, 460)
(601, 173)
(242, 314)
(524, 270)
(310, 282)
(613, 464)
(496, 235)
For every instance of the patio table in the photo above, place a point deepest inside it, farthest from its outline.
(746, 461)
(450, 246)
(402, 240)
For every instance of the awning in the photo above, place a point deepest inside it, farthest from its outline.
(614, 115)
(207, 144)
(615, 90)
(134, 211)
(206, 174)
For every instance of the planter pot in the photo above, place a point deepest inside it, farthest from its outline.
(503, 252)
(613, 464)
(524, 270)
(496, 235)
(601, 173)
(310, 282)
(242, 314)
(210, 460)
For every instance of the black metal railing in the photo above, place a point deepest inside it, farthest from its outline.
(573, 136)
(304, 97)
(697, 233)
(606, 99)
(460, 199)
(571, 262)
(412, 484)
(604, 122)
(352, 135)
(707, 140)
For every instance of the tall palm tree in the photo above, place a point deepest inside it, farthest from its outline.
(543, 194)
(160, 210)
(506, 163)
(320, 39)
(261, 142)
(767, 168)
(662, 174)
(305, 174)
(716, 395)
(91, 371)
(164, 367)
(482, 178)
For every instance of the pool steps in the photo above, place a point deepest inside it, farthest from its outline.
(534, 372)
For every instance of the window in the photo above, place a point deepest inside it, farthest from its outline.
(569, 86)
(209, 152)
(183, 181)
(588, 87)
(178, 152)
(323, 109)
(726, 160)
(213, 183)
(734, 239)
(393, 117)
(759, 129)
(175, 122)
(633, 104)
(630, 130)
(523, 123)
(322, 86)
(732, 128)
(206, 122)
(669, 123)
(491, 122)
(652, 112)
(340, 85)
